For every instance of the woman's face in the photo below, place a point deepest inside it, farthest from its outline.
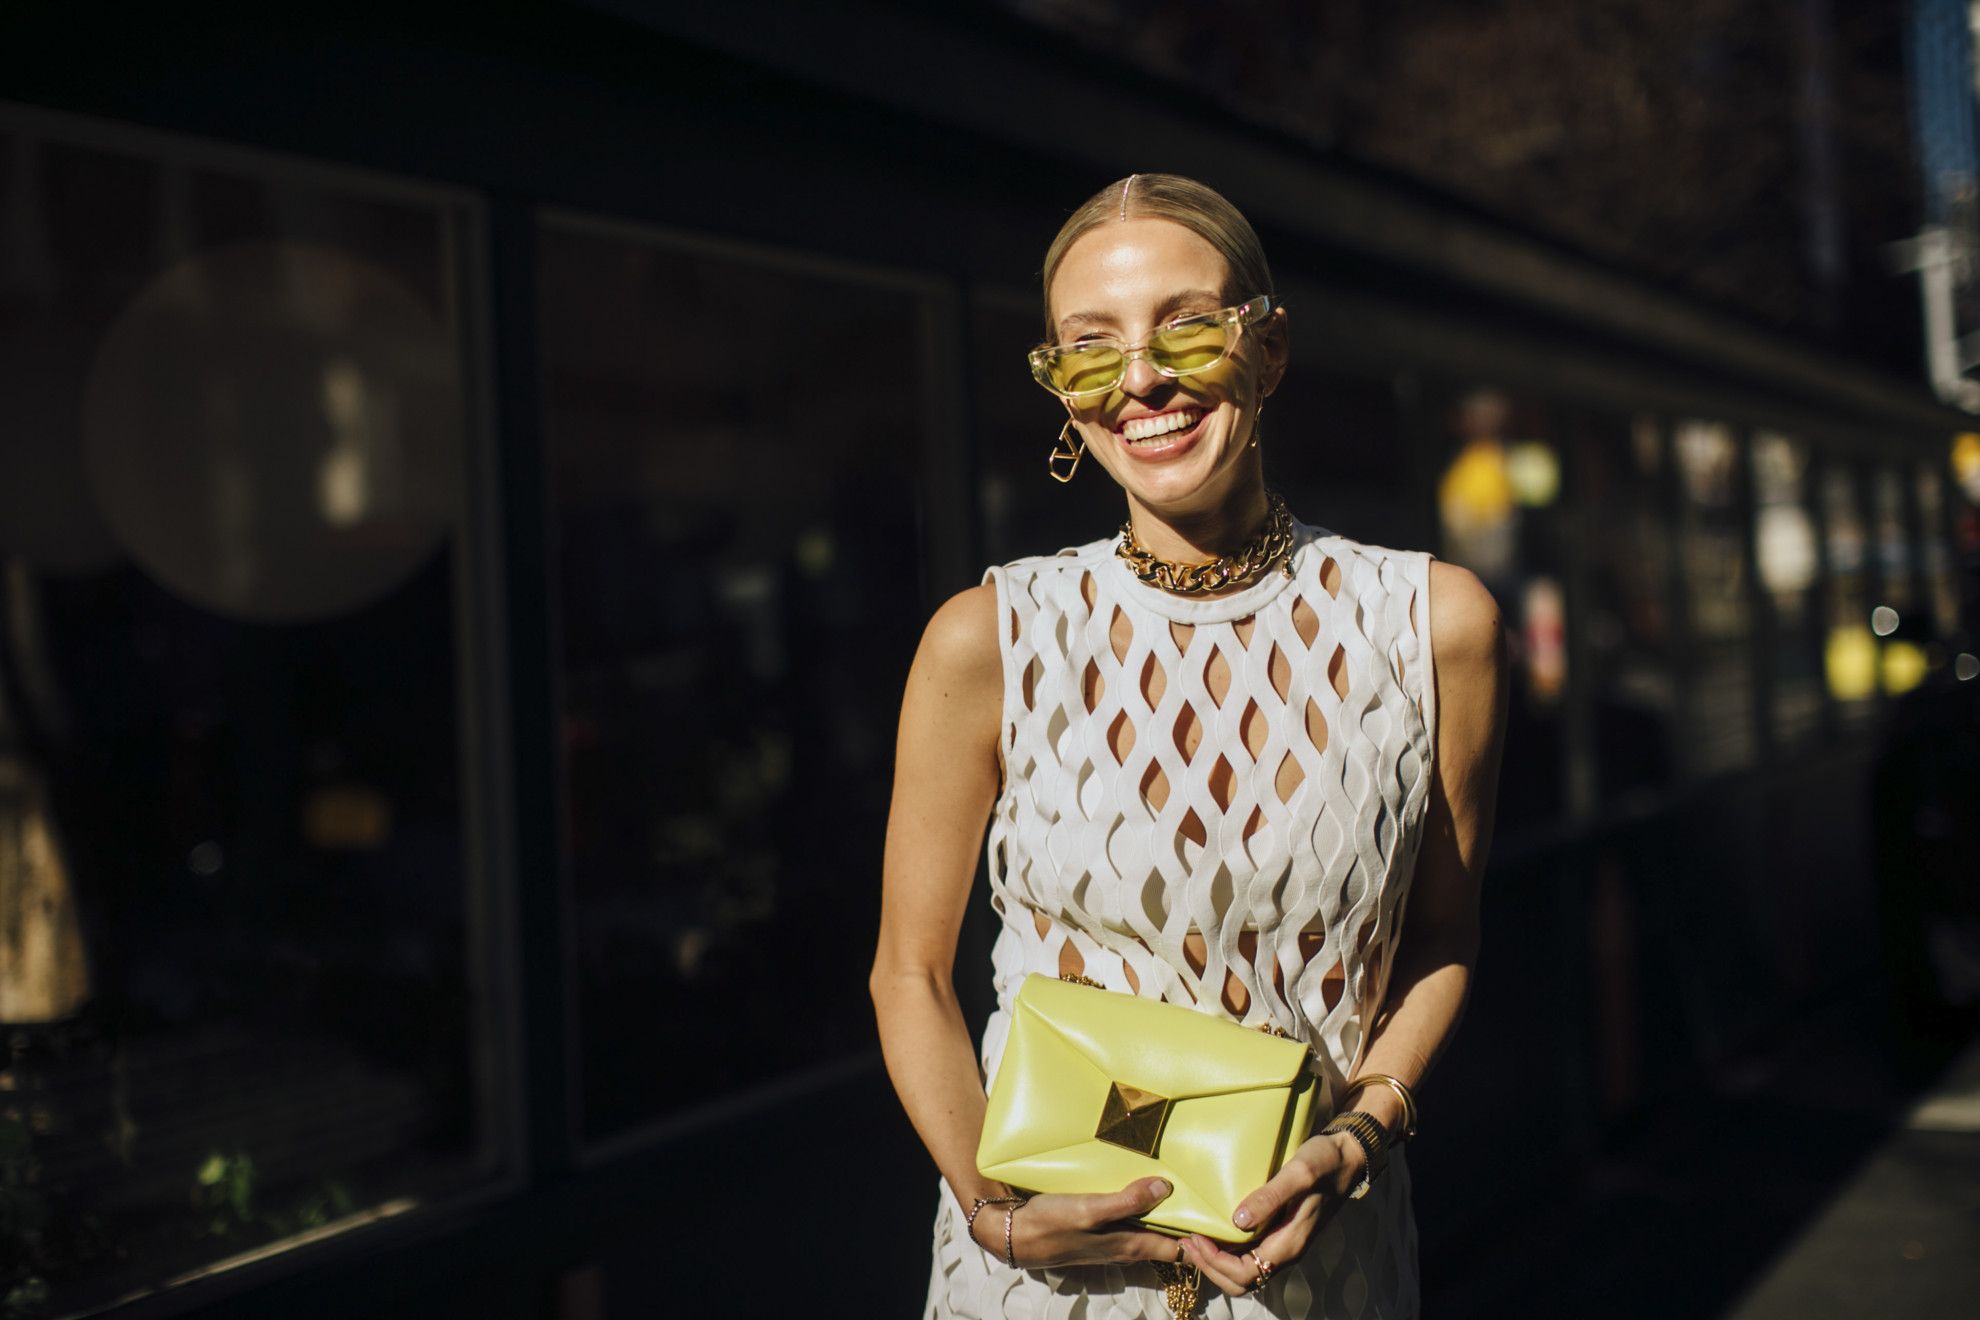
(1124, 279)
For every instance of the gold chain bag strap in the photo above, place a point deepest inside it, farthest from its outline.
(1097, 1089)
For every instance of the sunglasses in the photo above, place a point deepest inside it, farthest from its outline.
(1188, 344)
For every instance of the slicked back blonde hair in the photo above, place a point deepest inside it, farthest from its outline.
(1199, 209)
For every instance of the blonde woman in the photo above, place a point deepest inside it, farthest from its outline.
(1225, 759)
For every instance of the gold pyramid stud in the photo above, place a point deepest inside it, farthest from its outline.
(1132, 1119)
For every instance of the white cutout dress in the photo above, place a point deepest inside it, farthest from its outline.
(1118, 854)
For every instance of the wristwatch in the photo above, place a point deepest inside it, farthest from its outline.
(1374, 1143)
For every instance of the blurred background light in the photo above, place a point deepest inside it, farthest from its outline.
(1533, 473)
(1904, 667)
(1849, 661)
(1966, 463)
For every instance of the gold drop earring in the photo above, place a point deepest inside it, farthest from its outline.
(1068, 451)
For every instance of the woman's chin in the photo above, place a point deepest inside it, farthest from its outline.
(1180, 486)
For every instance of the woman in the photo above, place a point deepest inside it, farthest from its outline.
(1214, 787)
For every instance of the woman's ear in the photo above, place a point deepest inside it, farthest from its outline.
(1275, 339)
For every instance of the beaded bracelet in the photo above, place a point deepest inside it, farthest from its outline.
(976, 1208)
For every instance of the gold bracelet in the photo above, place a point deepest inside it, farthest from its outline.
(1402, 1093)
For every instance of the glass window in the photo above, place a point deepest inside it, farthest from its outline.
(735, 451)
(1789, 561)
(1935, 553)
(1624, 486)
(1850, 651)
(1894, 585)
(238, 974)
(1499, 510)
(1899, 619)
(1712, 562)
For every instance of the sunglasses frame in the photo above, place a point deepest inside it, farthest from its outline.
(1239, 318)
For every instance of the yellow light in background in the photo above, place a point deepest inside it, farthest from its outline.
(1849, 661)
(1966, 463)
(1533, 473)
(1475, 504)
(1475, 491)
(1904, 667)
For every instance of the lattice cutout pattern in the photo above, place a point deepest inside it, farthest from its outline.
(1215, 803)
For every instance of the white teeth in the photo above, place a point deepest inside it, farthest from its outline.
(1147, 428)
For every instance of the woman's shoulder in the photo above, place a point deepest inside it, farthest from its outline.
(1465, 625)
(959, 645)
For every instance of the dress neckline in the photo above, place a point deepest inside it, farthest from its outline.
(1212, 609)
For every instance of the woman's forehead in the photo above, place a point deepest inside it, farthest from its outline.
(1138, 267)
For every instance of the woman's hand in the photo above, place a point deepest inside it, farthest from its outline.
(1053, 1230)
(1300, 1198)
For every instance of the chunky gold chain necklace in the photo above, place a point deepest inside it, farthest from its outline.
(1273, 544)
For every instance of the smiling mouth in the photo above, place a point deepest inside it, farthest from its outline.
(1151, 430)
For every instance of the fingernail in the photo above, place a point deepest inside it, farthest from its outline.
(1162, 1187)
(1243, 1217)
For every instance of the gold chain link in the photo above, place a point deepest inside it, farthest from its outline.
(1182, 1286)
(1272, 545)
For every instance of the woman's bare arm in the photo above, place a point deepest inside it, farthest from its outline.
(945, 783)
(1439, 947)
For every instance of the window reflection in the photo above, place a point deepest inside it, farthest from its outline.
(1850, 651)
(1712, 561)
(1789, 559)
(234, 942)
(1629, 635)
(1498, 503)
(735, 455)
(1935, 553)
(1899, 618)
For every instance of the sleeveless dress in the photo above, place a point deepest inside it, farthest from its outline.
(1119, 855)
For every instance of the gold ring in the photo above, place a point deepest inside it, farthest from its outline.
(1264, 1268)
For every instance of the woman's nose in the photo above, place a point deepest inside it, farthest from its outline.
(1141, 378)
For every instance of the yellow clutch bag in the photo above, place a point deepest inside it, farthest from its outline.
(1096, 1089)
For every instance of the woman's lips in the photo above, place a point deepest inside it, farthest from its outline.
(1170, 444)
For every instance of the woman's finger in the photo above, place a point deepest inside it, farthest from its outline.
(1130, 1244)
(1231, 1273)
(1296, 1179)
(1132, 1201)
(1288, 1242)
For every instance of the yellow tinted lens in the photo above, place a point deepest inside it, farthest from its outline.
(1084, 368)
(1188, 347)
